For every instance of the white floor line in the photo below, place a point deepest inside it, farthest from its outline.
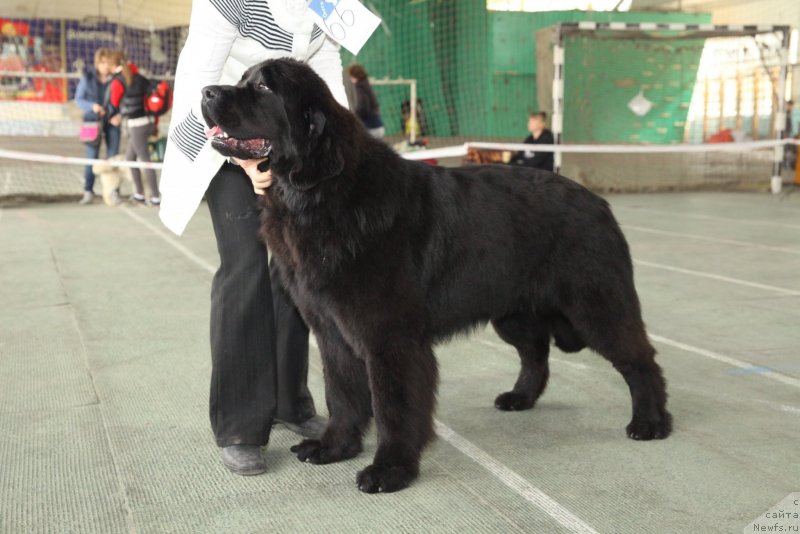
(524, 489)
(782, 407)
(740, 364)
(723, 398)
(511, 479)
(697, 237)
(719, 277)
(766, 373)
(521, 487)
(167, 238)
(757, 222)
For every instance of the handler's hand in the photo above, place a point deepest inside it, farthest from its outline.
(261, 180)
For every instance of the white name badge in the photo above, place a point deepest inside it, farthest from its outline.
(347, 22)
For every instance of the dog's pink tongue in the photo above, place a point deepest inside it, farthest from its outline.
(211, 132)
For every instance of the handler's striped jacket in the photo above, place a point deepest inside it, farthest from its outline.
(225, 38)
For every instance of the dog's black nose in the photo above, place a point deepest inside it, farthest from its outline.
(210, 92)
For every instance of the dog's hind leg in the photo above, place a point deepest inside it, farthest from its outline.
(613, 327)
(349, 403)
(634, 358)
(531, 338)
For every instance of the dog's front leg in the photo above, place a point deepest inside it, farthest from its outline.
(348, 398)
(403, 376)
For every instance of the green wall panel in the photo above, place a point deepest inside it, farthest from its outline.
(602, 76)
(593, 114)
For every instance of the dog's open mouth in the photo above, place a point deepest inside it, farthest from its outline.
(255, 148)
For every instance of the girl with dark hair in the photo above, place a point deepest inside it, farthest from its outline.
(367, 107)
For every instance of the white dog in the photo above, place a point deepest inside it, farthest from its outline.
(111, 177)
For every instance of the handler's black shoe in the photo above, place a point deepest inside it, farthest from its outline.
(243, 459)
(311, 428)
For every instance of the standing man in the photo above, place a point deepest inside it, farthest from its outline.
(259, 343)
(539, 135)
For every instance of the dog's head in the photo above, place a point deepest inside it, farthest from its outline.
(108, 166)
(281, 110)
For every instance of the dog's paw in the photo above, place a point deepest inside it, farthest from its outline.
(645, 429)
(314, 452)
(512, 402)
(384, 478)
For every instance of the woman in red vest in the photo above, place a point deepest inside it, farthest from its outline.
(127, 93)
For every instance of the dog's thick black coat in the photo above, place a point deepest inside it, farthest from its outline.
(385, 257)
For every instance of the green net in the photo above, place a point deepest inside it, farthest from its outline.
(476, 70)
(443, 46)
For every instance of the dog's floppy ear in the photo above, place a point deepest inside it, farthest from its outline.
(323, 144)
(322, 156)
(316, 122)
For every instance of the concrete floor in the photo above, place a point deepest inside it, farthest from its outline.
(104, 362)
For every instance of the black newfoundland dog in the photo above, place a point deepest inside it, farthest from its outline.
(386, 257)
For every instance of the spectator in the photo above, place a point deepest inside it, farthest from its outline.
(539, 135)
(259, 342)
(90, 96)
(367, 107)
(126, 96)
(418, 125)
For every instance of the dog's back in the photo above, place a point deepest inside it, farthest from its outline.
(485, 239)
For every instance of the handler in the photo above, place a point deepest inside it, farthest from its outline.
(259, 343)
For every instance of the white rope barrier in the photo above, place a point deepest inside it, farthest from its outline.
(69, 160)
(639, 149)
(462, 150)
(457, 151)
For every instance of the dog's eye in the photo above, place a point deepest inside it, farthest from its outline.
(263, 87)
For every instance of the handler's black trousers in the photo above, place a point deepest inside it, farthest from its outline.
(259, 342)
